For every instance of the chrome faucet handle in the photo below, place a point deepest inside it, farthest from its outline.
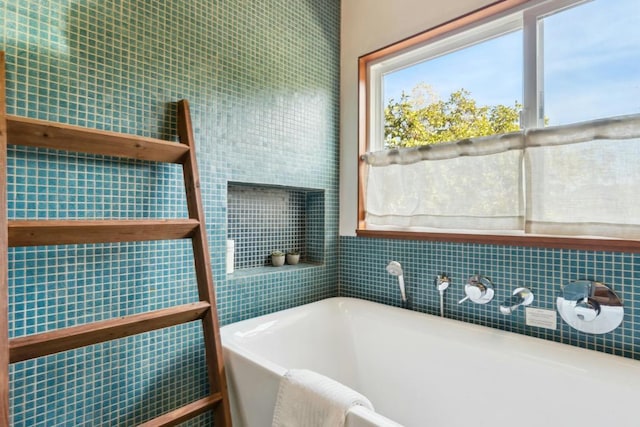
(479, 289)
(520, 296)
(587, 309)
(577, 290)
(581, 292)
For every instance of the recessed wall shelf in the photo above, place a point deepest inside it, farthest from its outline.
(262, 218)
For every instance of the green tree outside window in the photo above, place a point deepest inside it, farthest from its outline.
(422, 118)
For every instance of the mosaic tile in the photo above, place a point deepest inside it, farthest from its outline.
(544, 271)
(262, 82)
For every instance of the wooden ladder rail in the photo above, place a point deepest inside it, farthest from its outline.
(31, 132)
(213, 344)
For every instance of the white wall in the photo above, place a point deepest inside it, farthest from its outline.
(368, 25)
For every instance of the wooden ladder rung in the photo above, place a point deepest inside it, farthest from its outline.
(65, 232)
(32, 346)
(185, 413)
(40, 133)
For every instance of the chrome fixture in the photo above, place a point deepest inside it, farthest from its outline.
(479, 289)
(590, 306)
(395, 269)
(521, 296)
(442, 282)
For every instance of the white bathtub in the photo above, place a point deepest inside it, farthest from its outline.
(420, 370)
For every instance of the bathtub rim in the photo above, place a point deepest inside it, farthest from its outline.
(564, 350)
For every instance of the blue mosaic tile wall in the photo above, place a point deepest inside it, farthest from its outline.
(262, 81)
(363, 275)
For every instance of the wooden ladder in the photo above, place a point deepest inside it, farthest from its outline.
(37, 133)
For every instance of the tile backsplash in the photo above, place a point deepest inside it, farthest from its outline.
(363, 275)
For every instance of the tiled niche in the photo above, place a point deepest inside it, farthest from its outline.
(264, 218)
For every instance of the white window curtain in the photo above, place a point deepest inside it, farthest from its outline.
(584, 179)
(580, 179)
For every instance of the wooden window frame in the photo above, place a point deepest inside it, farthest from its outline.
(474, 17)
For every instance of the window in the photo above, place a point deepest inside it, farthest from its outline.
(447, 108)
(592, 74)
(516, 87)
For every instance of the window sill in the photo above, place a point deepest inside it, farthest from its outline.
(591, 244)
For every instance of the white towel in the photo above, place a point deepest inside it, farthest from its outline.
(308, 399)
